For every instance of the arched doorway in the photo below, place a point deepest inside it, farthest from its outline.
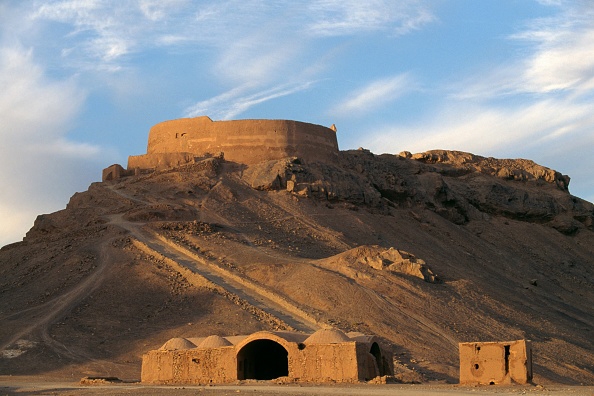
(377, 354)
(262, 360)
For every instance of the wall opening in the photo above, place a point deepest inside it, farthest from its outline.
(262, 360)
(506, 358)
(529, 364)
(377, 354)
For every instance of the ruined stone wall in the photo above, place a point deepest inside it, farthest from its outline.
(190, 366)
(489, 363)
(326, 363)
(113, 172)
(159, 161)
(243, 141)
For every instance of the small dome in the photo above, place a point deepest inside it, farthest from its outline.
(214, 341)
(327, 336)
(354, 334)
(176, 344)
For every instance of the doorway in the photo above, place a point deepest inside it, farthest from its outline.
(262, 360)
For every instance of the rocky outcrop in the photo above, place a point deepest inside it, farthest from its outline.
(317, 180)
(382, 259)
(458, 186)
(509, 169)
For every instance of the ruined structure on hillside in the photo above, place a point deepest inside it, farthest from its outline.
(327, 355)
(177, 142)
(490, 363)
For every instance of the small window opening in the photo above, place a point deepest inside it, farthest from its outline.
(301, 346)
(476, 366)
(492, 383)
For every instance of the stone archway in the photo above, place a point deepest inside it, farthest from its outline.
(377, 354)
(262, 359)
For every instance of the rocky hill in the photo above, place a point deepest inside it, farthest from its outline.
(425, 250)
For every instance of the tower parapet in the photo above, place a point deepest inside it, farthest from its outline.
(176, 142)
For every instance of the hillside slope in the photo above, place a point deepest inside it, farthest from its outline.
(424, 250)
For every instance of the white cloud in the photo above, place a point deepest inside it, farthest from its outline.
(256, 59)
(36, 156)
(236, 101)
(347, 17)
(262, 44)
(374, 95)
(158, 10)
(564, 57)
(102, 34)
(108, 32)
(484, 129)
(560, 58)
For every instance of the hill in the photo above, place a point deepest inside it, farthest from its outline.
(423, 250)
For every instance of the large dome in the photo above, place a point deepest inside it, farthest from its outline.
(327, 336)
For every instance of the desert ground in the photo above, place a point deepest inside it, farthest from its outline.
(47, 386)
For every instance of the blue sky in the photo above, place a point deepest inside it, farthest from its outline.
(81, 82)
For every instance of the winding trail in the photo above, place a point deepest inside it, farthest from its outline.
(41, 317)
(254, 294)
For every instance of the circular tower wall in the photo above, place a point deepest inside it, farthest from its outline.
(244, 141)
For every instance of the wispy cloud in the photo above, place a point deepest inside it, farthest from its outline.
(100, 34)
(260, 44)
(375, 95)
(560, 58)
(347, 17)
(236, 101)
(35, 152)
(488, 129)
(258, 59)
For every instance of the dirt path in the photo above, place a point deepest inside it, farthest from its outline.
(252, 293)
(41, 317)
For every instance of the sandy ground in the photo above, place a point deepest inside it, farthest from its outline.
(16, 385)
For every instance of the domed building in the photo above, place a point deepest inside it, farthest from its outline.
(328, 355)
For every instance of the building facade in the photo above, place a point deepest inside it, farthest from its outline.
(327, 355)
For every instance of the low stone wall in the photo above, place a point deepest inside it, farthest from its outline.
(159, 161)
(202, 366)
(114, 172)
